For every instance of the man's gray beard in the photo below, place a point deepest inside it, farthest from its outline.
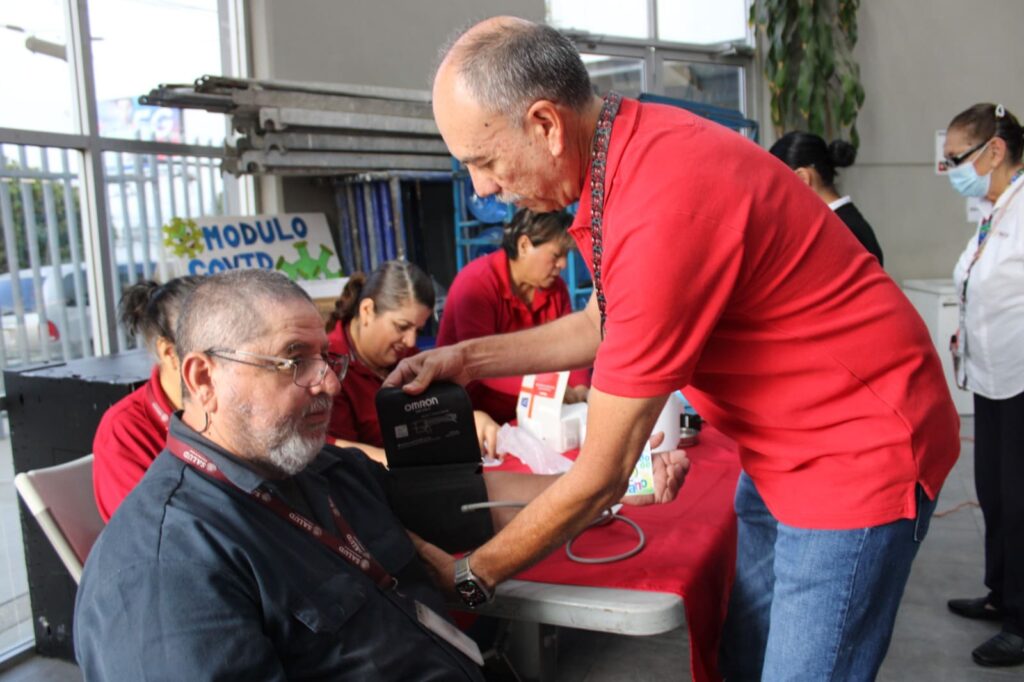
(284, 448)
(294, 453)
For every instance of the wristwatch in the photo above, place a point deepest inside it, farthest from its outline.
(470, 589)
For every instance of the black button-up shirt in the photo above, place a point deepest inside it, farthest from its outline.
(195, 580)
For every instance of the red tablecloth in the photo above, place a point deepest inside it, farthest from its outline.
(691, 548)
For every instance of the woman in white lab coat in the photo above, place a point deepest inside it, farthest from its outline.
(983, 153)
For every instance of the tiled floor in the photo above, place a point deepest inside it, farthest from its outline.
(929, 643)
(38, 669)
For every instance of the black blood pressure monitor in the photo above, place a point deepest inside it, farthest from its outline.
(434, 464)
(433, 428)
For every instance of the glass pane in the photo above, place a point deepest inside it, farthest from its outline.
(622, 74)
(625, 18)
(702, 21)
(42, 263)
(716, 84)
(34, 77)
(145, 192)
(138, 45)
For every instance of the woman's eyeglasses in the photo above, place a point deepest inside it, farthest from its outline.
(954, 160)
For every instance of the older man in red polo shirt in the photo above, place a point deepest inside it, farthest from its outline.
(717, 271)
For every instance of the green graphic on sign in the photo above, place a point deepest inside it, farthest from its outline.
(184, 238)
(306, 267)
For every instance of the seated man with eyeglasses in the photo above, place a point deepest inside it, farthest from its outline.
(250, 550)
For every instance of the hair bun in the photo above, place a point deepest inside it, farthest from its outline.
(134, 305)
(347, 302)
(842, 153)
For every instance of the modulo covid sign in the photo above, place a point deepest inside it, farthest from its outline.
(297, 244)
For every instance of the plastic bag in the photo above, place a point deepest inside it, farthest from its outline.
(531, 451)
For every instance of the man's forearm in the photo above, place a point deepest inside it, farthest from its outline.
(616, 433)
(569, 342)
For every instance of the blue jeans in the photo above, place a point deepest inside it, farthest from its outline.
(814, 604)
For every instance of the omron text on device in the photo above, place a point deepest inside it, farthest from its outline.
(434, 461)
(434, 427)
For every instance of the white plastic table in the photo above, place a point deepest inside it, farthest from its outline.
(536, 609)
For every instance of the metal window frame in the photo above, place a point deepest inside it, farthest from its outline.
(652, 57)
(91, 146)
(652, 39)
(653, 52)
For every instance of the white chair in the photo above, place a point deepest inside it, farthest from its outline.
(61, 499)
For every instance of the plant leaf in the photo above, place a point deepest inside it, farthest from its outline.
(809, 67)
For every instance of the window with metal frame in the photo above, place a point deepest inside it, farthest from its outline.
(36, 76)
(696, 50)
(42, 269)
(694, 22)
(128, 62)
(91, 113)
(87, 179)
(144, 191)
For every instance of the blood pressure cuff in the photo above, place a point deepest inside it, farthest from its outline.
(428, 501)
(434, 459)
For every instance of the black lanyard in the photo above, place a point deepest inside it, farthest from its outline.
(598, 166)
(347, 546)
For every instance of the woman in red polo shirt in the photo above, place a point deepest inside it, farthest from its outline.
(516, 287)
(375, 322)
(134, 430)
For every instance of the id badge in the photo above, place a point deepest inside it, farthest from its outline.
(448, 632)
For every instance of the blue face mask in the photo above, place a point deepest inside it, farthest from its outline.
(967, 182)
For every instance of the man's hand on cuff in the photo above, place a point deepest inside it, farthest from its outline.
(439, 563)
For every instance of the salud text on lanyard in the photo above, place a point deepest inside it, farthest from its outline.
(345, 544)
(154, 405)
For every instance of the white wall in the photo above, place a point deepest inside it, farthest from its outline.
(922, 62)
(371, 42)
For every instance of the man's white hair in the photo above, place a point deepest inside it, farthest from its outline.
(514, 63)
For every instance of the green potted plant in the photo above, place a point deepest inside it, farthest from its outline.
(809, 66)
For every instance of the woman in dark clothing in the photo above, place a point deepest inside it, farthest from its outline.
(815, 163)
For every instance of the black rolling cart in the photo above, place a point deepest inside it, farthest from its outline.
(53, 411)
